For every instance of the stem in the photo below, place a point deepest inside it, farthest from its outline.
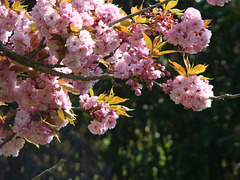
(225, 96)
(139, 12)
(48, 170)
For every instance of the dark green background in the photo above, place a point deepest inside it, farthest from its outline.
(162, 140)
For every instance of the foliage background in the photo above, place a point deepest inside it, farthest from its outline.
(162, 140)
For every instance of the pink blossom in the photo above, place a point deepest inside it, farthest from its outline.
(12, 147)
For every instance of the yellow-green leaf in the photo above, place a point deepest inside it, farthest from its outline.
(164, 5)
(206, 78)
(178, 68)
(118, 109)
(122, 29)
(142, 20)
(207, 22)
(69, 88)
(160, 45)
(91, 92)
(167, 52)
(171, 4)
(56, 133)
(69, 114)
(61, 114)
(156, 41)
(74, 29)
(134, 10)
(20, 8)
(105, 63)
(147, 41)
(28, 140)
(6, 3)
(117, 100)
(199, 68)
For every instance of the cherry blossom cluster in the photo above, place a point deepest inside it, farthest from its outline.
(74, 37)
(218, 2)
(190, 34)
(161, 21)
(104, 118)
(191, 92)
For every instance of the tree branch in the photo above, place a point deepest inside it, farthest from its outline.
(225, 96)
(139, 12)
(45, 68)
(49, 169)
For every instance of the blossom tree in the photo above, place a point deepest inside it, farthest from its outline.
(68, 46)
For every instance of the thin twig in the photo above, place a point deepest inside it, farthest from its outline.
(225, 96)
(139, 12)
(49, 169)
(159, 86)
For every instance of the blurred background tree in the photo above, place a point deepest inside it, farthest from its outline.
(161, 140)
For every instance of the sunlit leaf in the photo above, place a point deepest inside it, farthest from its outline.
(74, 29)
(105, 63)
(6, 3)
(56, 133)
(121, 11)
(164, 5)
(155, 53)
(117, 100)
(142, 20)
(122, 29)
(207, 22)
(178, 68)
(69, 88)
(171, 4)
(199, 68)
(69, 114)
(28, 140)
(33, 27)
(156, 41)
(160, 45)
(61, 114)
(134, 10)
(91, 92)
(147, 41)
(167, 52)
(177, 11)
(20, 8)
(119, 109)
(67, 1)
(206, 78)
(140, 8)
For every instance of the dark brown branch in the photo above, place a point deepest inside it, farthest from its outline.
(49, 169)
(44, 67)
(139, 12)
(225, 96)
(9, 138)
